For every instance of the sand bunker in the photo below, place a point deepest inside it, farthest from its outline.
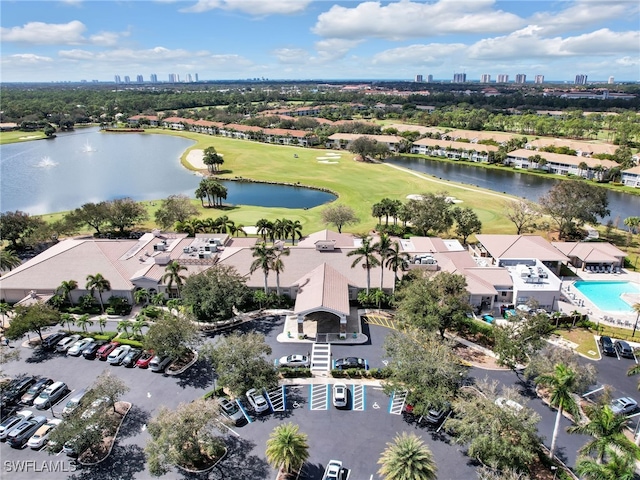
(327, 161)
(414, 196)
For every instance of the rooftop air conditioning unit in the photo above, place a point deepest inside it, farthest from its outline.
(159, 247)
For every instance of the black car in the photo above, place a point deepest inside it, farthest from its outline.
(351, 362)
(13, 393)
(623, 349)
(132, 357)
(89, 352)
(50, 342)
(606, 346)
(34, 391)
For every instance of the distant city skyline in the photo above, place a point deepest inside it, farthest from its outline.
(76, 40)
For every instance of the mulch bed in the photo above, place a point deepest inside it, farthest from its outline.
(476, 358)
(98, 453)
(181, 362)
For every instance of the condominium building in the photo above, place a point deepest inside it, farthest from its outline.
(117, 79)
(581, 79)
(611, 81)
(154, 78)
(485, 78)
(140, 79)
(429, 78)
(521, 78)
(174, 78)
(539, 79)
(503, 78)
(418, 79)
(459, 78)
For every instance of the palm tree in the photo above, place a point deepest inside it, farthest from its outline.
(68, 320)
(66, 287)
(295, 229)
(5, 308)
(607, 430)
(158, 299)
(9, 260)
(407, 458)
(561, 384)
(172, 275)
(264, 228)
(264, 260)
(137, 326)
(99, 283)
(278, 266)
(619, 467)
(382, 248)
(636, 308)
(83, 322)
(396, 260)
(124, 325)
(634, 371)
(365, 252)
(141, 296)
(287, 449)
(102, 321)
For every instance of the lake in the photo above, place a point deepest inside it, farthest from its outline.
(46, 176)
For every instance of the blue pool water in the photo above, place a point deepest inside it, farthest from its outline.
(607, 295)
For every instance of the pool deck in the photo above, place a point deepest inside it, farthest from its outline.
(575, 300)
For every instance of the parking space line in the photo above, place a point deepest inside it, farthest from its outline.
(244, 412)
(396, 405)
(358, 396)
(318, 397)
(276, 398)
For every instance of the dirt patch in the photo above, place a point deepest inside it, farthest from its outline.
(476, 357)
(182, 362)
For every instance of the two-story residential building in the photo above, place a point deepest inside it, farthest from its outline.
(455, 150)
(561, 164)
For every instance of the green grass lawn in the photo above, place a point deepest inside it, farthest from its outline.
(584, 338)
(17, 136)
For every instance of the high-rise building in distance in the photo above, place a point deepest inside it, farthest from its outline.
(485, 78)
(581, 79)
(539, 79)
(140, 79)
(459, 77)
(127, 79)
(154, 78)
(418, 79)
(429, 78)
(173, 78)
(521, 78)
(117, 79)
(503, 78)
(611, 81)
(197, 78)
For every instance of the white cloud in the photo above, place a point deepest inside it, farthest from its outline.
(26, 59)
(291, 55)
(107, 39)
(406, 19)
(252, 7)
(40, 33)
(628, 61)
(528, 43)
(431, 54)
(334, 48)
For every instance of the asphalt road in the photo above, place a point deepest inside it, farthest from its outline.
(356, 437)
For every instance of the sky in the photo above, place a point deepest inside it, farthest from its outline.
(75, 40)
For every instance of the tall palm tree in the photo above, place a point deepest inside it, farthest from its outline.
(99, 283)
(173, 275)
(382, 248)
(619, 467)
(68, 320)
(287, 448)
(264, 228)
(66, 287)
(124, 325)
(5, 308)
(407, 458)
(137, 326)
(607, 430)
(83, 322)
(158, 299)
(295, 229)
(365, 253)
(278, 266)
(9, 260)
(636, 308)
(102, 321)
(561, 384)
(264, 260)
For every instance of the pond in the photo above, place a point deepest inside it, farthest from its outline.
(85, 165)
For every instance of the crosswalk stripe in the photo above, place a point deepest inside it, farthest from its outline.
(396, 405)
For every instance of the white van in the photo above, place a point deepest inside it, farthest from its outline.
(74, 402)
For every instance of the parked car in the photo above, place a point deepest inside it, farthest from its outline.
(340, 395)
(624, 405)
(231, 410)
(13, 421)
(104, 351)
(52, 340)
(64, 344)
(75, 350)
(89, 352)
(34, 391)
(436, 415)
(334, 471)
(24, 431)
(145, 359)
(50, 395)
(132, 357)
(15, 390)
(41, 437)
(74, 402)
(351, 362)
(606, 345)
(623, 349)
(158, 364)
(294, 361)
(118, 354)
(257, 401)
(503, 402)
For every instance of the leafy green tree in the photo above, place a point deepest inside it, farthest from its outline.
(522, 213)
(407, 458)
(16, 228)
(433, 303)
(172, 275)
(632, 223)
(431, 214)
(212, 159)
(95, 215)
(621, 466)
(32, 318)
(287, 448)
(9, 260)
(561, 384)
(339, 215)
(545, 360)
(264, 258)
(124, 214)
(175, 208)
(187, 436)
(109, 387)
(99, 283)
(425, 366)
(241, 363)
(364, 147)
(573, 203)
(467, 222)
(66, 287)
(365, 253)
(170, 336)
(516, 342)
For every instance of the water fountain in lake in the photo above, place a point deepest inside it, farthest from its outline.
(46, 162)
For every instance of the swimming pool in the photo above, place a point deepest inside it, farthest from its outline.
(607, 295)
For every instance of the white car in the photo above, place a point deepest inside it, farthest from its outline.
(76, 349)
(116, 357)
(340, 395)
(64, 344)
(505, 402)
(50, 395)
(13, 421)
(294, 361)
(334, 471)
(257, 401)
(41, 437)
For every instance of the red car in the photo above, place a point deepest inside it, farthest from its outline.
(104, 351)
(145, 359)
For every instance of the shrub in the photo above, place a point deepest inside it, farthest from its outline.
(126, 341)
(151, 312)
(118, 306)
(108, 336)
(295, 372)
